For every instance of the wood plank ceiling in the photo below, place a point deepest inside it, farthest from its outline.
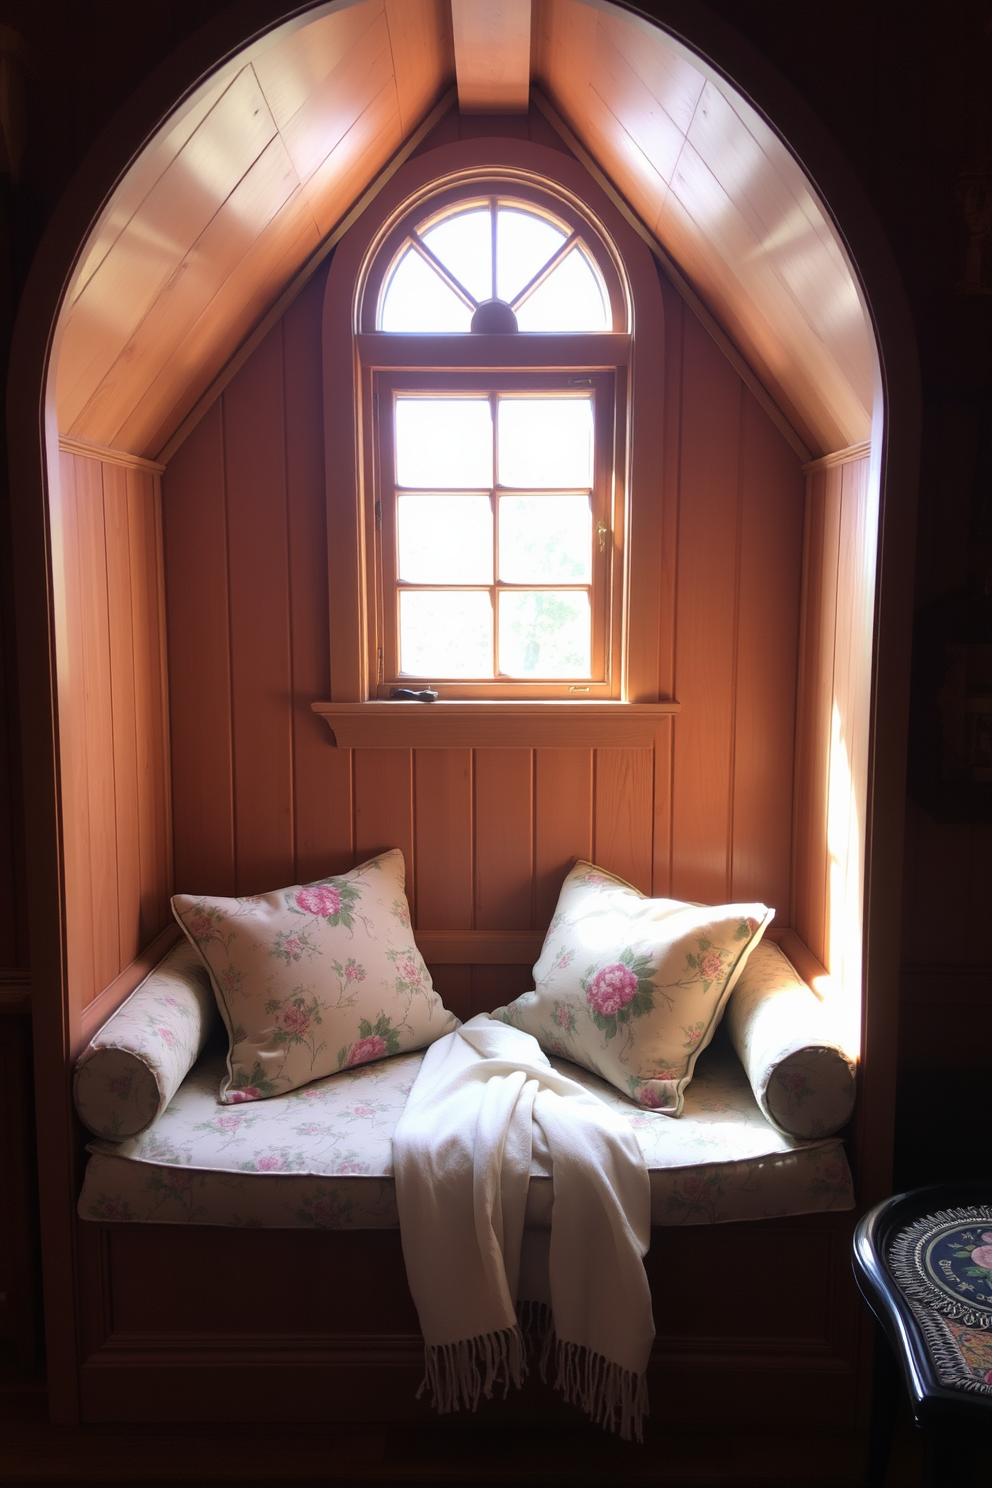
(231, 200)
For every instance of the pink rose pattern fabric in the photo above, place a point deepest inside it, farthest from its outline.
(801, 1075)
(314, 978)
(634, 988)
(131, 1069)
(321, 1156)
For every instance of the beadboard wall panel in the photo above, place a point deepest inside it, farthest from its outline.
(116, 814)
(262, 796)
(833, 718)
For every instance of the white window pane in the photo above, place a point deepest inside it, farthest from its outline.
(570, 299)
(417, 299)
(545, 539)
(464, 244)
(446, 635)
(545, 442)
(524, 243)
(444, 442)
(544, 634)
(445, 539)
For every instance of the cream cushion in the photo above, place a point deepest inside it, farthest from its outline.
(801, 1076)
(131, 1069)
(633, 988)
(314, 978)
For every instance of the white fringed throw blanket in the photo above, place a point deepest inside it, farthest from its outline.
(486, 1097)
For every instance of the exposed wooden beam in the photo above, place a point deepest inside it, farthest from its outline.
(492, 55)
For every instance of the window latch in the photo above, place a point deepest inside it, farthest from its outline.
(601, 531)
(407, 694)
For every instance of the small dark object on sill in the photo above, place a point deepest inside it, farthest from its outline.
(407, 694)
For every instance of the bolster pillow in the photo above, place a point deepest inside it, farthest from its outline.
(801, 1077)
(131, 1069)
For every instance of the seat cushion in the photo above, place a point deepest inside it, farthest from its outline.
(321, 1157)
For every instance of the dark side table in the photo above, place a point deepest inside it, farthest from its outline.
(923, 1263)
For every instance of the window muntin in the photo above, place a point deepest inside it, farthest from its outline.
(503, 581)
(550, 625)
(501, 250)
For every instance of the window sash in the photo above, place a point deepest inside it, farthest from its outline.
(606, 586)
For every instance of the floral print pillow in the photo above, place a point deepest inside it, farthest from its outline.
(131, 1069)
(801, 1075)
(315, 978)
(633, 988)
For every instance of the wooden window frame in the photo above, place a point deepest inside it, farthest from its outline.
(606, 592)
(355, 355)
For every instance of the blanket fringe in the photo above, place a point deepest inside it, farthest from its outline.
(459, 1374)
(611, 1396)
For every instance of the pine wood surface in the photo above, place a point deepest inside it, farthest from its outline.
(229, 202)
(715, 186)
(116, 805)
(328, 807)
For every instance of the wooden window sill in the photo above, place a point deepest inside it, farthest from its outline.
(384, 724)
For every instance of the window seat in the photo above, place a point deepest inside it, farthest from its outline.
(320, 1157)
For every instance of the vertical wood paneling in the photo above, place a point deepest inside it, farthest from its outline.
(563, 822)
(124, 714)
(93, 620)
(847, 811)
(624, 811)
(443, 796)
(813, 714)
(664, 755)
(833, 719)
(149, 665)
(322, 816)
(255, 466)
(383, 805)
(504, 839)
(197, 577)
(488, 836)
(114, 745)
(79, 907)
(453, 985)
(705, 637)
(767, 652)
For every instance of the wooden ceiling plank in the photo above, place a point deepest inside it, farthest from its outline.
(238, 305)
(793, 430)
(786, 370)
(564, 47)
(153, 245)
(227, 239)
(293, 68)
(356, 158)
(637, 109)
(794, 309)
(340, 99)
(621, 156)
(171, 435)
(492, 55)
(150, 166)
(670, 79)
(772, 196)
(423, 54)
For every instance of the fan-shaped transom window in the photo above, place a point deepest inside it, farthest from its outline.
(494, 265)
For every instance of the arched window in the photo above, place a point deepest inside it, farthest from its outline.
(492, 329)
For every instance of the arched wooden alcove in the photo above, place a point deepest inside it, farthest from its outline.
(194, 239)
